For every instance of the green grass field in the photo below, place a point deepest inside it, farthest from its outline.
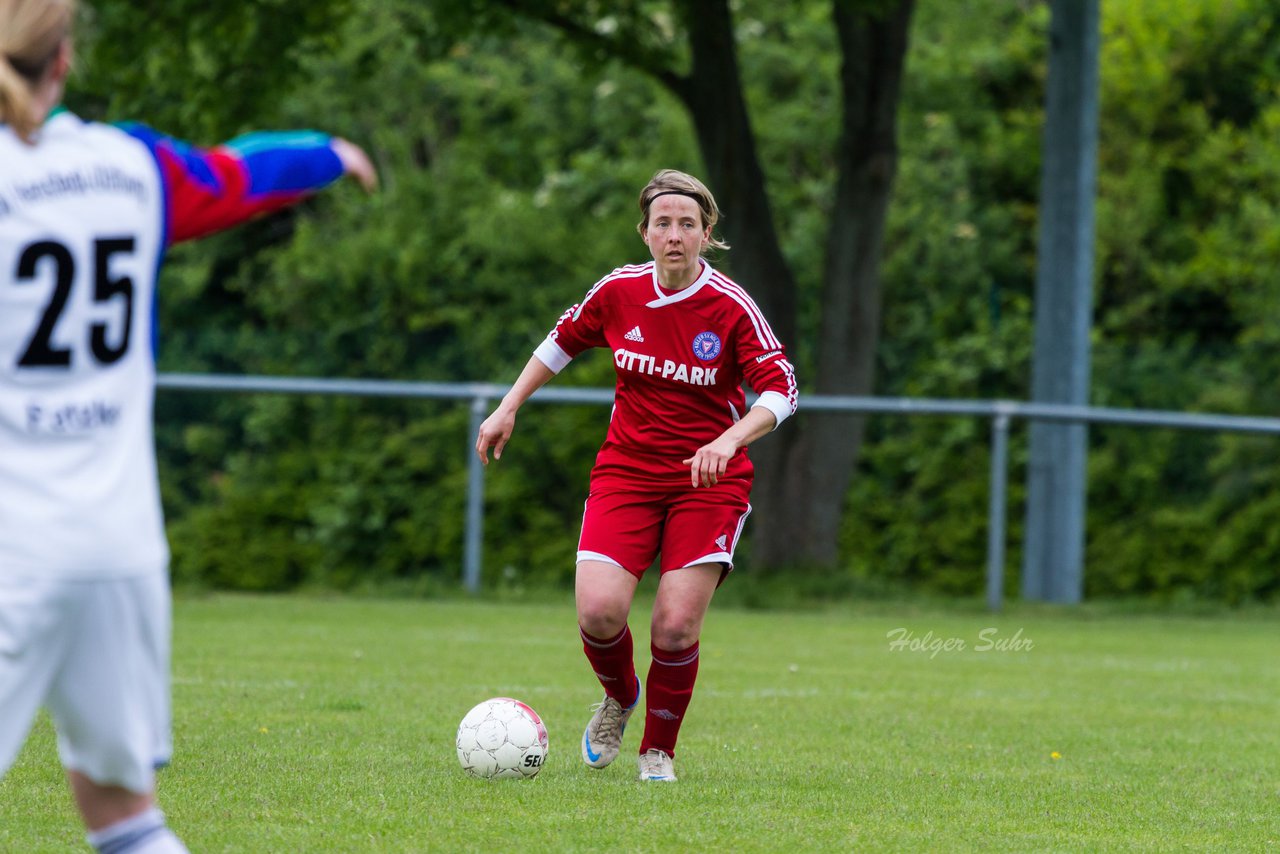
(317, 725)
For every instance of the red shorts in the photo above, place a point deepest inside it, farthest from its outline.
(630, 524)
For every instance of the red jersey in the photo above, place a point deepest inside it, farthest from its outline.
(681, 358)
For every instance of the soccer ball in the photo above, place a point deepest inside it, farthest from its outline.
(502, 738)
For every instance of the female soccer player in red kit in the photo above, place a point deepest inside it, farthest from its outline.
(672, 477)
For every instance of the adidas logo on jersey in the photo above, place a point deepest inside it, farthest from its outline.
(722, 541)
(634, 335)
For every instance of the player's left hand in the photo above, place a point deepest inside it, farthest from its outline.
(711, 461)
(495, 432)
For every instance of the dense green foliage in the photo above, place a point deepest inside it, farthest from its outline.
(510, 168)
(328, 725)
(1187, 238)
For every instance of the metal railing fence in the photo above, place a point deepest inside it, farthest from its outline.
(481, 395)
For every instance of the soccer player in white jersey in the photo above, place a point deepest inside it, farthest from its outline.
(673, 477)
(86, 213)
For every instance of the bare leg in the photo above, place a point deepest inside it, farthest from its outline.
(603, 592)
(102, 806)
(678, 613)
(683, 598)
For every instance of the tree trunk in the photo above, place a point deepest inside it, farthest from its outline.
(713, 95)
(803, 471)
(804, 482)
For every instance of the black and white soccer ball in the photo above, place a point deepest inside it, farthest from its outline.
(502, 738)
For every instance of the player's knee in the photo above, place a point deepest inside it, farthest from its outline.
(600, 617)
(674, 631)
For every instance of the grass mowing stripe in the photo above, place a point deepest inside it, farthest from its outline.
(306, 724)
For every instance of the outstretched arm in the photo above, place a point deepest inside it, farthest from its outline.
(496, 429)
(208, 190)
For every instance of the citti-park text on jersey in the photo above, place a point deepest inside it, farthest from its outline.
(670, 370)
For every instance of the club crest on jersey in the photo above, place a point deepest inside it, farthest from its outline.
(706, 346)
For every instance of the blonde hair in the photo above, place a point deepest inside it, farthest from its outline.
(31, 32)
(683, 184)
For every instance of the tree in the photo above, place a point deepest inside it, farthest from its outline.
(510, 166)
(689, 46)
(190, 66)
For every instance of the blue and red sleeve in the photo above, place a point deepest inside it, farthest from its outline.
(208, 190)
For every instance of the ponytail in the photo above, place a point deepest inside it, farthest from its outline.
(31, 34)
(15, 101)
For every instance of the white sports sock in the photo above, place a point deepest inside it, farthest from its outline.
(144, 833)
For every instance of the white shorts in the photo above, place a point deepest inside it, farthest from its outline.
(96, 654)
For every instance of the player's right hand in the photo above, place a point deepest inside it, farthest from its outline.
(355, 163)
(494, 432)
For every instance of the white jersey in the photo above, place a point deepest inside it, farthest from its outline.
(81, 236)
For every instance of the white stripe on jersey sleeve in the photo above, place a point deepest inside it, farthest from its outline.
(619, 273)
(792, 396)
(785, 404)
(767, 339)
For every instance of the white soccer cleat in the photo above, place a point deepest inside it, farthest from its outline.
(602, 739)
(656, 766)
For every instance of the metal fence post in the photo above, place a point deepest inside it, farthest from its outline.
(996, 510)
(475, 500)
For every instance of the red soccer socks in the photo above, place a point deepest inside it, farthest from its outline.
(613, 663)
(667, 693)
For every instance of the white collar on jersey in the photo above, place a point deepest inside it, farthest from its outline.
(57, 117)
(667, 299)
